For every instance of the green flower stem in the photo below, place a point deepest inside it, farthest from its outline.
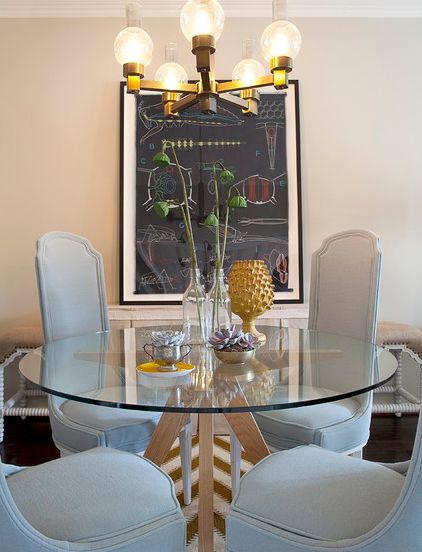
(217, 247)
(188, 222)
(189, 232)
(195, 282)
(217, 213)
(226, 222)
(220, 255)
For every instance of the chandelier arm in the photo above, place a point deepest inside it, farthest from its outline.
(159, 86)
(234, 100)
(232, 86)
(184, 103)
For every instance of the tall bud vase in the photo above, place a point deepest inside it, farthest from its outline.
(195, 310)
(220, 315)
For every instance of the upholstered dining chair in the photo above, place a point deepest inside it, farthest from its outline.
(102, 499)
(73, 301)
(313, 499)
(345, 275)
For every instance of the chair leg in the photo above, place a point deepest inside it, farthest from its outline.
(398, 380)
(235, 455)
(185, 438)
(1, 404)
(22, 388)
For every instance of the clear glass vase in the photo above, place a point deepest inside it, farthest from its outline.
(195, 310)
(220, 315)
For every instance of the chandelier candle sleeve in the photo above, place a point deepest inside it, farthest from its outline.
(202, 23)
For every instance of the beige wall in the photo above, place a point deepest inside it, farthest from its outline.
(361, 121)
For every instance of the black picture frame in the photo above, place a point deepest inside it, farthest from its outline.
(127, 223)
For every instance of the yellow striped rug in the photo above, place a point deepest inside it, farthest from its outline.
(222, 488)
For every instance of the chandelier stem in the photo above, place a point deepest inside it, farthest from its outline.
(279, 10)
(133, 14)
(248, 48)
(171, 52)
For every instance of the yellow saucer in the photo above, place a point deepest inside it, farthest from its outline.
(153, 368)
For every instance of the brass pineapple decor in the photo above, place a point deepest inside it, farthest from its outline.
(251, 293)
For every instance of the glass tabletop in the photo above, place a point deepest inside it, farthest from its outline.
(294, 368)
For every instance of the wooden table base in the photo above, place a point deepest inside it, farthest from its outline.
(206, 483)
(244, 426)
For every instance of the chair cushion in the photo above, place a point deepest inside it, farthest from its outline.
(315, 424)
(95, 493)
(128, 430)
(317, 493)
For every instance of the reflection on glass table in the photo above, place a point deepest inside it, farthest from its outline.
(294, 368)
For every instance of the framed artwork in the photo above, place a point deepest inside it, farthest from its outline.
(264, 154)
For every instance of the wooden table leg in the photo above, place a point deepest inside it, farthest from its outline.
(247, 431)
(206, 483)
(165, 434)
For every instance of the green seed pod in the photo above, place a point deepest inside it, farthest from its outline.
(161, 159)
(211, 220)
(226, 177)
(161, 208)
(238, 202)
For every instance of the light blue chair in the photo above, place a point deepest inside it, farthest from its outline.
(309, 499)
(103, 500)
(73, 302)
(345, 277)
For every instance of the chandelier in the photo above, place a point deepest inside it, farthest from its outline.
(202, 23)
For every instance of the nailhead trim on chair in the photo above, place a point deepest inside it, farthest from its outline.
(14, 344)
(399, 338)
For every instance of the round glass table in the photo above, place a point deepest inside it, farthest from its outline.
(294, 368)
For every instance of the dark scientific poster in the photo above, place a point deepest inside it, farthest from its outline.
(255, 149)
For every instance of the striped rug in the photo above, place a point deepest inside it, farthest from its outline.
(222, 488)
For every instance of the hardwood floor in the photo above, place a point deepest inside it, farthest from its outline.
(28, 442)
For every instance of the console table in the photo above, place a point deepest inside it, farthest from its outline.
(133, 316)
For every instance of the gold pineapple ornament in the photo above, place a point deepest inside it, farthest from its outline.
(251, 291)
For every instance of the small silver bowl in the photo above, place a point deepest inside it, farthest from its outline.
(167, 356)
(234, 357)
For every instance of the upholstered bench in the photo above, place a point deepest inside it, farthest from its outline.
(399, 338)
(13, 344)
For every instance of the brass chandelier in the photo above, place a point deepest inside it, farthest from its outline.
(202, 23)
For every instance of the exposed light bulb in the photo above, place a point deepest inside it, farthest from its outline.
(203, 24)
(249, 69)
(202, 17)
(281, 38)
(171, 73)
(133, 44)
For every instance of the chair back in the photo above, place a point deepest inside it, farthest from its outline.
(345, 277)
(71, 287)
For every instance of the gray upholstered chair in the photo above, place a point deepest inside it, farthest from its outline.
(313, 499)
(73, 301)
(345, 275)
(102, 499)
